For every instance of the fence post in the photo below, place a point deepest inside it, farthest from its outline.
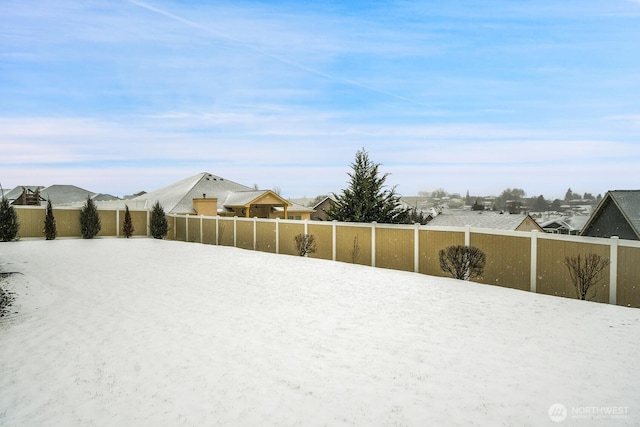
(533, 275)
(175, 227)
(416, 248)
(467, 235)
(333, 240)
(277, 235)
(186, 228)
(373, 244)
(613, 270)
(117, 222)
(255, 233)
(235, 229)
(217, 231)
(201, 231)
(306, 226)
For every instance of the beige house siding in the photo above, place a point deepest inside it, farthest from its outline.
(529, 224)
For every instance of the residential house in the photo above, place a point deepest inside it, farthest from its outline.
(208, 194)
(565, 225)
(485, 219)
(321, 208)
(617, 214)
(25, 195)
(58, 194)
(71, 195)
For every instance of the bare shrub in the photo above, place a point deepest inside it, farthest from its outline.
(305, 244)
(355, 252)
(462, 262)
(585, 271)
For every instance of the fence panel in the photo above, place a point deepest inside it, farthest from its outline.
(244, 238)
(353, 244)
(266, 236)
(180, 231)
(287, 233)
(508, 260)
(31, 222)
(225, 231)
(209, 231)
(67, 222)
(395, 248)
(324, 240)
(553, 275)
(139, 221)
(431, 243)
(108, 223)
(171, 227)
(628, 291)
(194, 229)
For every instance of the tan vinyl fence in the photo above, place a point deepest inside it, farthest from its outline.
(529, 261)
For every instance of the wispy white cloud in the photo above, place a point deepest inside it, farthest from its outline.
(441, 94)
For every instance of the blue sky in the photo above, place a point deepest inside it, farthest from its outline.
(475, 96)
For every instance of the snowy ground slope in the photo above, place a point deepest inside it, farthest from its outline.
(146, 332)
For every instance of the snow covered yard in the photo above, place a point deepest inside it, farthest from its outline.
(147, 333)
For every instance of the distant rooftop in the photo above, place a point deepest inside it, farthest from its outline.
(478, 219)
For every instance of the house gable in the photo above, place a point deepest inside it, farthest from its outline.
(270, 198)
(529, 224)
(615, 216)
(321, 209)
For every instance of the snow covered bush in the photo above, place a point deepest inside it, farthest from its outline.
(89, 220)
(462, 262)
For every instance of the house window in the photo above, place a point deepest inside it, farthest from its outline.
(294, 217)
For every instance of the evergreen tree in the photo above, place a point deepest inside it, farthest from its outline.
(415, 216)
(159, 225)
(9, 224)
(127, 227)
(89, 220)
(50, 230)
(540, 204)
(366, 200)
(568, 195)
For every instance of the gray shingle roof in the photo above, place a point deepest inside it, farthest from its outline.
(571, 223)
(65, 194)
(629, 203)
(241, 198)
(16, 192)
(478, 219)
(178, 197)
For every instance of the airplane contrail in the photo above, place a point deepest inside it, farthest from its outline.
(272, 56)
